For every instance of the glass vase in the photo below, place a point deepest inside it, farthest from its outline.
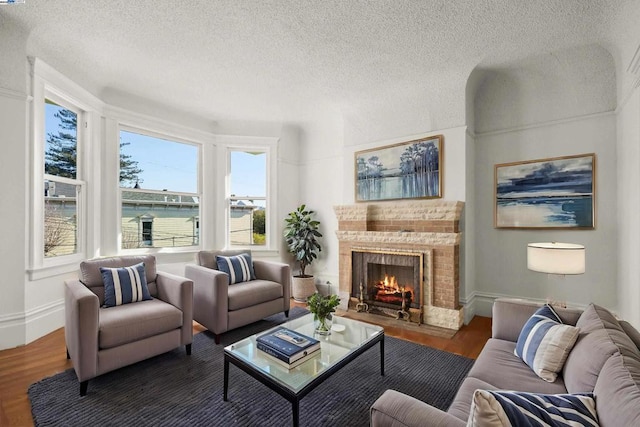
(323, 325)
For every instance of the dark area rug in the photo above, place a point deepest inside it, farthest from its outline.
(174, 389)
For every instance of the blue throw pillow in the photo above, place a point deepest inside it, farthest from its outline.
(532, 409)
(238, 267)
(544, 343)
(124, 285)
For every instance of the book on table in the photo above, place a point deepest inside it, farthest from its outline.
(286, 345)
(292, 364)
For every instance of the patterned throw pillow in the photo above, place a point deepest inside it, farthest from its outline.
(124, 285)
(544, 343)
(512, 408)
(238, 267)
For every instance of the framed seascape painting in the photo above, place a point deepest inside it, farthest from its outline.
(408, 170)
(556, 193)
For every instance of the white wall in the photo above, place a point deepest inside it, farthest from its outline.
(13, 211)
(501, 267)
(467, 227)
(320, 189)
(13, 167)
(549, 105)
(628, 237)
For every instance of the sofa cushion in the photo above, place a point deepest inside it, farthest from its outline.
(510, 315)
(498, 366)
(132, 322)
(545, 342)
(617, 391)
(631, 332)
(124, 285)
(513, 408)
(601, 336)
(239, 268)
(252, 293)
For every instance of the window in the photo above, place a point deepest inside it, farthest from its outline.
(147, 232)
(63, 118)
(62, 187)
(159, 192)
(248, 198)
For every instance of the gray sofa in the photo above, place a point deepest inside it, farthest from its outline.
(100, 340)
(221, 307)
(605, 360)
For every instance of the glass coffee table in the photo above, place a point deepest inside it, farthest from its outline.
(336, 351)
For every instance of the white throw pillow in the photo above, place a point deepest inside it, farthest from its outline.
(544, 343)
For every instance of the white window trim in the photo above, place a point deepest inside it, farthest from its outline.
(47, 83)
(101, 204)
(268, 145)
(143, 128)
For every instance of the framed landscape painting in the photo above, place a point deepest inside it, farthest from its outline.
(408, 170)
(556, 193)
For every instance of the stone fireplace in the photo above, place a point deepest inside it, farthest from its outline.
(401, 259)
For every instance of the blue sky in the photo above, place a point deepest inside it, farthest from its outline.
(165, 165)
(174, 166)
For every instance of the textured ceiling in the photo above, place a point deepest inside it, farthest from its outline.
(275, 60)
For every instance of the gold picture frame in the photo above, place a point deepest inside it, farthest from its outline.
(553, 193)
(407, 170)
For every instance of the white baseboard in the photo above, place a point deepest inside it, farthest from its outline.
(478, 304)
(18, 329)
(481, 304)
(12, 330)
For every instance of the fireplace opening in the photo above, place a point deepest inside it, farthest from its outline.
(389, 283)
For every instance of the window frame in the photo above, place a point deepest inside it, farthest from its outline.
(122, 125)
(48, 84)
(269, 147)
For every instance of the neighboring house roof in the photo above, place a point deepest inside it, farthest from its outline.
(154, 198)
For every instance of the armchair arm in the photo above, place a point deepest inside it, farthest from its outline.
(178, 291)
(276, 272)
(210, 297)
(81, 328)
(396, 409)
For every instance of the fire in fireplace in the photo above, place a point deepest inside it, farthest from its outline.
(388, 291)
(388, 282)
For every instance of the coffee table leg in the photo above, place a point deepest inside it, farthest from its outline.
(226, 378)
(382, 356)
(296, 412)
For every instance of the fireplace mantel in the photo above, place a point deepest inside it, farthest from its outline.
(427, 226)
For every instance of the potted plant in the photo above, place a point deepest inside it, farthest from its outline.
(322, 307)
(301, 234)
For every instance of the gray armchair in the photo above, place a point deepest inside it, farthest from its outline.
(221, 307)
(100, 340)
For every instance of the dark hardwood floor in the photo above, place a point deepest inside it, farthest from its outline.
(22, 366)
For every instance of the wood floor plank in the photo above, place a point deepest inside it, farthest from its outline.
(22, 366)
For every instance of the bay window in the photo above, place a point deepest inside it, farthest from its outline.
(159, 192)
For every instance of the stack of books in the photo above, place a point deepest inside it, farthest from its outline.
(287, 347)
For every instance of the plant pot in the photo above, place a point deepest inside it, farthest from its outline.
(302, 288)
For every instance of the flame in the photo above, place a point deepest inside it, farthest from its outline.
(390, 285)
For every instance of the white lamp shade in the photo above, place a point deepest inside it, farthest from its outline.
(556, 258)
